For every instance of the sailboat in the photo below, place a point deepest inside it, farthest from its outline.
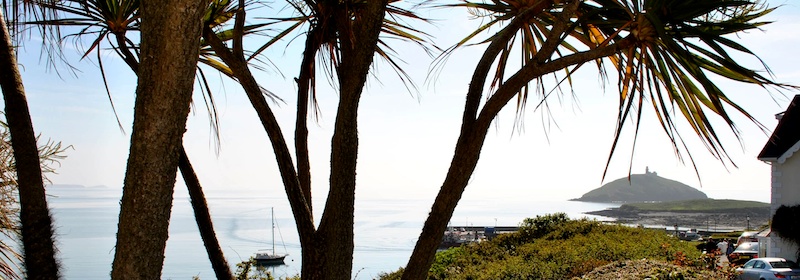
(270, 258)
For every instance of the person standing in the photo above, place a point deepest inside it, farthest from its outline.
(722, 246)
(711, 245)
(730, 248)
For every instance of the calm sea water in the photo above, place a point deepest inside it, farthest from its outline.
(385, 229)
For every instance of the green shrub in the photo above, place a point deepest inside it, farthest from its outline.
(784, 223)
(555, 247)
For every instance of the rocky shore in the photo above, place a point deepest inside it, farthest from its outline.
(722, 220)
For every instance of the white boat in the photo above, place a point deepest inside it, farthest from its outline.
(270, 258)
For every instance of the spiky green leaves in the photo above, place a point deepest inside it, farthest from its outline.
(668, 50)
(674, 47)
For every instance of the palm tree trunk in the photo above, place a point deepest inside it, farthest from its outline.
(312, 258)
(37, 229)
(358, 50)
(300, 207)
(202, 215)
(461, 167)
(170, 49)
(474, 128)
(203, 218)
(304, 83)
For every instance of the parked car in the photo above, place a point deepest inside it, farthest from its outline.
(689, 236)
(743, 253)
(768, 269)
(747, 236)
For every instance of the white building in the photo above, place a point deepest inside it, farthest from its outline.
(780, 153)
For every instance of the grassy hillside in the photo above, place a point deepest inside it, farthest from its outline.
(698, 205)
(642, 188)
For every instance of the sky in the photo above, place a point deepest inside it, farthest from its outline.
(407, 137)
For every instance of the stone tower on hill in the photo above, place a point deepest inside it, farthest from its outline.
(647, 187)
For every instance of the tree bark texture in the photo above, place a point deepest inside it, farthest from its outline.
(305, 89)
(462, 166)
(37, 228)
(203, 218)
(170, 49)
(358, 41)
(198, 199)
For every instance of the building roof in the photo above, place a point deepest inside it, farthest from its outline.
(786, 135)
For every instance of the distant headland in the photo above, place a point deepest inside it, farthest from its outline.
(652, 200)
(647, 187)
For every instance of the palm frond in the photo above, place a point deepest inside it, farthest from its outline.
(531, 22)
(676, 44)
(318, 15)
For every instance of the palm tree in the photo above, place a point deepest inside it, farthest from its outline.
(662, 51)
(114, 20)
(343, 32)
(322, 40)
(163, 95)
(37, 228)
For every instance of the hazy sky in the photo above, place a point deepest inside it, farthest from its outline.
(407, 139)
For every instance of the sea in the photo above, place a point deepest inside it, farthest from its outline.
(385, 229)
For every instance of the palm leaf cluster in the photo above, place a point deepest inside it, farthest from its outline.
(669, 51)
(99, 19)
(674, 46)
(329, 22)
(525, 27)
(116, 22)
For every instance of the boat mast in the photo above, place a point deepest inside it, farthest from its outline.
(272, 214)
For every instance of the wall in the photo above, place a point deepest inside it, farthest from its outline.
(786, 182)
(785, 191)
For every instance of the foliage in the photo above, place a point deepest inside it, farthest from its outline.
(116, 23)
(665, 57)
(50, 153)
(662, 52)
(555, 247)
(650, 269)
(784, 223)
(248, 270)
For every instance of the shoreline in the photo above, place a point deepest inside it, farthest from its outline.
(720, 220)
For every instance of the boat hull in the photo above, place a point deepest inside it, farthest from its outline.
(267, 260)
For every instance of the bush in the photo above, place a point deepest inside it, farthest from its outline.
(784, 223)
(555, 247)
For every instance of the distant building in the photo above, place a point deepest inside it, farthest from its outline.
(778, 152)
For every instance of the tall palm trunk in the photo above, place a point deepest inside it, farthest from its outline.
(358, 48)
(37, 229)
(202, 215)
(170, 49)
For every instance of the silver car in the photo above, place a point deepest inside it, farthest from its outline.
(768, 269)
